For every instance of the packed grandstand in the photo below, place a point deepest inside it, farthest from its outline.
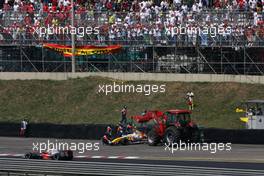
(135, 21)
(176, 36)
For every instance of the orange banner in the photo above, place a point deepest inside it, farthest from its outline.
(83, 50)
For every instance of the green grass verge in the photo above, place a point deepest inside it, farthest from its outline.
(76, 101)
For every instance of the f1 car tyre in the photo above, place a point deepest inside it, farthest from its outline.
(56, 157)
(172, 135)
(124, 141)
(27, 156)
(153, 138)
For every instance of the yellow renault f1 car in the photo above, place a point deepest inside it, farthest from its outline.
(136, 137)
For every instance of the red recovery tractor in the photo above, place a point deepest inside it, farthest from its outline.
(170, 127)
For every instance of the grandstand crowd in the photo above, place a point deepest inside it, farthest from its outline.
(142, 21)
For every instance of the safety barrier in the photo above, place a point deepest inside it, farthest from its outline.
(46, 130)
(241, 136)
(96, 131)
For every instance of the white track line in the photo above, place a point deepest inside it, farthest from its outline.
(132, 157)
(78, 156)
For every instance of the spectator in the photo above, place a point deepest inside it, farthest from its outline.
(152, 16)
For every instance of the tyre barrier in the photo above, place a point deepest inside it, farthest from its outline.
(96, 131)
(46, 130)
(235, 136)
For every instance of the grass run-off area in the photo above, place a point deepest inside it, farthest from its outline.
(77, 101)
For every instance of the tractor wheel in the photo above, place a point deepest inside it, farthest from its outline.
(172, 135)
(153, 138)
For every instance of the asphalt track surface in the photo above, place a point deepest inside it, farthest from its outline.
(139, 159)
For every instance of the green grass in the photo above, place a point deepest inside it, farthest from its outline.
(76, 101)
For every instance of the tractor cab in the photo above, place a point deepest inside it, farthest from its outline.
(178, 117)
(253, 114)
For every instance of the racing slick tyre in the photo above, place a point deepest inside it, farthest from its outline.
(56, 157)
(172, 135)
(124, 141)
(27, 156)
(153, 138)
